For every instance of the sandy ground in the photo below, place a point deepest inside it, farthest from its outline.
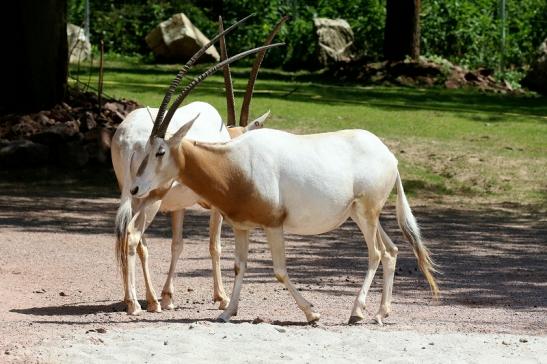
(265, 343)
(60, 290)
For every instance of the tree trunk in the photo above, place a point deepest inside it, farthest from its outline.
(35, 54)
(402, 31)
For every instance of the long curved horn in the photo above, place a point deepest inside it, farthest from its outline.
(172, 88)
(245, 106)
(197, 80)
(228, 85)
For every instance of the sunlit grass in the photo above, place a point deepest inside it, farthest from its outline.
(459, 145)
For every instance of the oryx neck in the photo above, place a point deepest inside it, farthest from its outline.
(206, 168)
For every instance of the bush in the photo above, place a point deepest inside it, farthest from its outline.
(469, 32)
(124, 24)
(463, 31)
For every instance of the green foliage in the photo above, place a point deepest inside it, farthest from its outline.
(469, 32)
(463, 31)
(124, 24)
(366, 18)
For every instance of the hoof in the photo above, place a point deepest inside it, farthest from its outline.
(379, 318)
(354, 319)
(222, 319)
(223, 304)
(153, 307)
(133, 308)
(134, 312)
(313, 318)
(167, 301)
(167, 306)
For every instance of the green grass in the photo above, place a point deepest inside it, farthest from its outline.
(453, 145)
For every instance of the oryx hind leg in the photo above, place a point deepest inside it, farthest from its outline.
(368, 220)
(389, 260)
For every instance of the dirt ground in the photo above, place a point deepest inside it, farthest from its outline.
(59, 280)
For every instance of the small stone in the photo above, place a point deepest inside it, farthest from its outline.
(257, 320)
(423, 347)
(165, 342)
(224, 337)
(7, 352)
(281, 329)
(523, 340)
(190, 289)
(505, 342)
(63, 294)
(431, 343)
(101, 330)
(190, 327)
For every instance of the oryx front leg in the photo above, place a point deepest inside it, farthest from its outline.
(215, 249)
(389, 259)
(240, 266)
(277, 246)
(177, 246)
(151, 298)
(368, 224)
(133, 238)
(146, 214)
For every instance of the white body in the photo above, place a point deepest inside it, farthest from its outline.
(307, 184)
(128, 150)
(315, 177)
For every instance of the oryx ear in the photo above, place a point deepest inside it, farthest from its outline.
(258, 122)
(181, 133)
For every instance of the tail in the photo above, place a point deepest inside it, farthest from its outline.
(411, 231)
(123, 217)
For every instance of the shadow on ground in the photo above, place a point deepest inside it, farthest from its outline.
(488, 256)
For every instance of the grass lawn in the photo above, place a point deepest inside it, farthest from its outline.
(459, 147)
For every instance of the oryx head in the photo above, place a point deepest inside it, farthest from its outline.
(159, 169)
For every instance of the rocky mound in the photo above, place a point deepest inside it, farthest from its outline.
(420, 73)
(71, 134)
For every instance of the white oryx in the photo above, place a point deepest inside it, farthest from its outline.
(135, 214)
(302, 184)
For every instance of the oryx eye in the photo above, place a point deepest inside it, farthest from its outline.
(160, 152)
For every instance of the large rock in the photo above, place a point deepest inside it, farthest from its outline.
(79, 47)
(536, 79)
(335, 40)
(178, 39)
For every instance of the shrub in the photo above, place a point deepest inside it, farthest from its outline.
(463, 31)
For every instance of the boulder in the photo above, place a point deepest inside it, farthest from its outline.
(536, 79)
(335, 40)
(178, 39)
(79, 47)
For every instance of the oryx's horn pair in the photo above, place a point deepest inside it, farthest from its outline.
(161, 123)
(230, 104)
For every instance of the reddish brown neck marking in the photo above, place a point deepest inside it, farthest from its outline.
(210, 172)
